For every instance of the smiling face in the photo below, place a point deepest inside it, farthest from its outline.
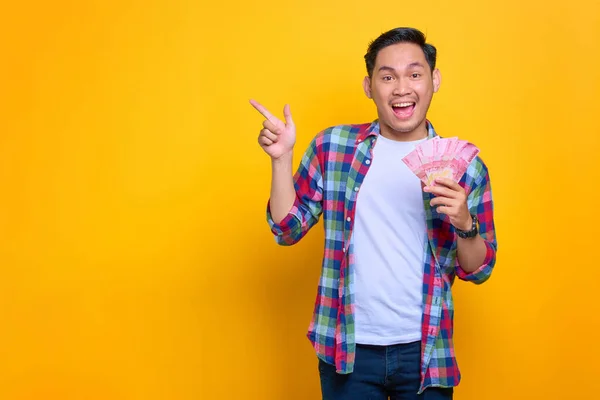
(402, 86)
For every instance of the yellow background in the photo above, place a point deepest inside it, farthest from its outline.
(136, 262)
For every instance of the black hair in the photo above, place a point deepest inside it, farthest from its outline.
(400, 35)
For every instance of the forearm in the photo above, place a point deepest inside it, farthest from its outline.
(283, 193)
(471, 253)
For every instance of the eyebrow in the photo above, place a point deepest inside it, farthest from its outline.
(409, 66)
(386, 68)
(415, 64)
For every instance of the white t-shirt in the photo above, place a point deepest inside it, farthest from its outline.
(389, 238)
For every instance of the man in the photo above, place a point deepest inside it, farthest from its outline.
(383, 319)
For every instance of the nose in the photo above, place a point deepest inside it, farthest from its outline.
(402, 87)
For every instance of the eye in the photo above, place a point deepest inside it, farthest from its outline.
(387, 78)
(415, 75)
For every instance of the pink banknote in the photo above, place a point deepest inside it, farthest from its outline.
(441, 157)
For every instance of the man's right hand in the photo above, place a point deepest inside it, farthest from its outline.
(276, 138)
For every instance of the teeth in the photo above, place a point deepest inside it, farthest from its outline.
(402, 104)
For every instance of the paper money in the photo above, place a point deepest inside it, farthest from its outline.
(441, 157)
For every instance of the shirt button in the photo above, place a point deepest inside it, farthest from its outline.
(368, 162)
(348, 219)
(356, 189)
(344, 249)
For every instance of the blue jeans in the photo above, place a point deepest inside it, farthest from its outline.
(380, 372)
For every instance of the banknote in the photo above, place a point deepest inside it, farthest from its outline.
(441, 157)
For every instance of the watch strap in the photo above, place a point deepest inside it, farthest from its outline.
(472, 232)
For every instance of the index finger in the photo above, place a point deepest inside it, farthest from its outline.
(439, 190)
(261, 109)
(449, 183)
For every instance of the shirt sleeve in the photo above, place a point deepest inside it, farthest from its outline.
(307, 207)
(480, 203)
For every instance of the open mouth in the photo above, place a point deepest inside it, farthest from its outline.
(404, 110)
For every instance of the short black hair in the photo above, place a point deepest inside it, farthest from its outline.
(400, 35)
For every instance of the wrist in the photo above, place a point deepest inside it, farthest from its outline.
(470, 231)
(285, 158)
(466, 225)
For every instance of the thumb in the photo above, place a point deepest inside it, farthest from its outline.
(288, 115)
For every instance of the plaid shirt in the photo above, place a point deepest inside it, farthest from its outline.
(327, 183)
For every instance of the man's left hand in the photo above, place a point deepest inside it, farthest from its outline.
(451, 199)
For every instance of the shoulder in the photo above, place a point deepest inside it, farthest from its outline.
(333, 142)
(341, 135)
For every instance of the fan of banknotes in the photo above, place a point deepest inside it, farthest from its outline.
(441, 157)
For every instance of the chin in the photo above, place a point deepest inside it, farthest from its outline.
(406, 127)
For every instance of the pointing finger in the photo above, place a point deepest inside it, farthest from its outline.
(261, 109)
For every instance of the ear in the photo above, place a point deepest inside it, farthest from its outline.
(437, 80)
(367, 86)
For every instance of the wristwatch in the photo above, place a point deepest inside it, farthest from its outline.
(470, 233)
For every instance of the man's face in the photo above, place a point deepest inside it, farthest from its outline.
(402, 86)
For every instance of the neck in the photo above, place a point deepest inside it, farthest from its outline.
(421, 132)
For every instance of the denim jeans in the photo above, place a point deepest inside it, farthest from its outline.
(380, 372)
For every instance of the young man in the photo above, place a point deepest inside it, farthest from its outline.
(383, 319)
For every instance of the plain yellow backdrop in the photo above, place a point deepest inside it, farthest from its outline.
(136, 262)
